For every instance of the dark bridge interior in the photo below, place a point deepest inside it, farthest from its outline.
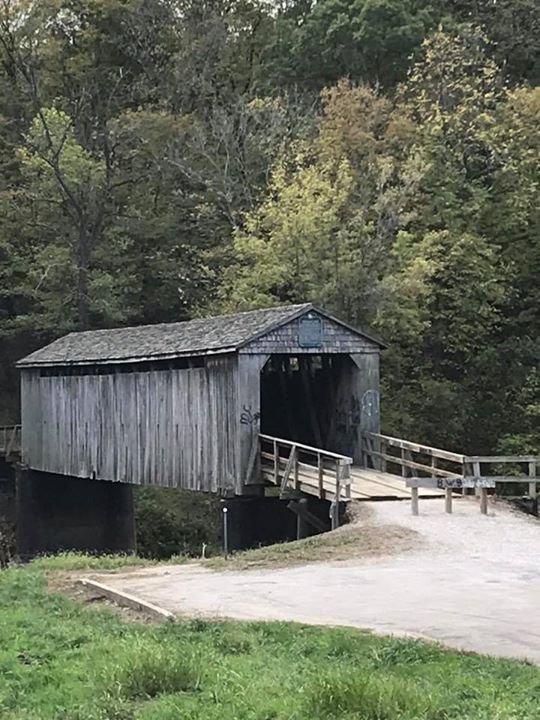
(302, 399)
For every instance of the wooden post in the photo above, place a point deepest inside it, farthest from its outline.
(448, 500)
(382, 449)
(465, 468)
(414, 500)
(532, 485)
(477, 473)
(335, 515)
(403, 467)
(320, 469)
(276, 463)
(483, 500)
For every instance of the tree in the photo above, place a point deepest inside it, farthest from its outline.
(365, 40)
(514, 28)
(331, 212)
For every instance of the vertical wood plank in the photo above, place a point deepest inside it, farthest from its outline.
(532, 485)
(477, 472)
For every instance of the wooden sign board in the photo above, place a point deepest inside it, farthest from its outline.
(450, 483)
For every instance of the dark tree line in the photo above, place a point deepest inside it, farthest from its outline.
(168, 158)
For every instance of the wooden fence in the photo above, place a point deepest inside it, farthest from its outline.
(293, 466)
(424, 466)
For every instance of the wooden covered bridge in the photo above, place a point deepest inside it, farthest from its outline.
(283, 397)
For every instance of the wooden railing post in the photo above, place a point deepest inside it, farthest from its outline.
(532, 485)
(347, 477)
(414, 500)
(320, 473)
(335, 513)
(448, 500)
(276, 463)
(483, 500)
(477, 472)
(383, 450)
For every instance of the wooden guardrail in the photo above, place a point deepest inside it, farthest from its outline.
(516, 469)
(402, 457)
(294, 466)
(10, 441)
(428, 467)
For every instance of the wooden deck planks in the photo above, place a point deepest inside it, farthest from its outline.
(369, 483)
(366, 484)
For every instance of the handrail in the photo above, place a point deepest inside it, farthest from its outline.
(531, 478)
(502, 458)
(308, 448)
(307, 477)
(457, 470)
(416, 447)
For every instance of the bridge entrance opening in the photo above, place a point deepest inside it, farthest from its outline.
(305, 398)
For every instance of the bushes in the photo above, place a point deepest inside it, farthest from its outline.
(171, 521)
(7, 543)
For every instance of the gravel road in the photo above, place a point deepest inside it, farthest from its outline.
(473, 583)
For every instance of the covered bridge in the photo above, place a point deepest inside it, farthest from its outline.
(183, 404)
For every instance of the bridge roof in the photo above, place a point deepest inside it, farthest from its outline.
(166, 341)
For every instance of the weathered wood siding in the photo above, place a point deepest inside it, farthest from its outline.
(168, 428)
(249, 401)
(336, 338)
(357, 403)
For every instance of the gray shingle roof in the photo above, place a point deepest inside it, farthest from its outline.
(223, 333)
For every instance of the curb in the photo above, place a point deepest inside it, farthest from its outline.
(127, 600)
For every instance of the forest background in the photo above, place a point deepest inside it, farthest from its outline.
(162, 160)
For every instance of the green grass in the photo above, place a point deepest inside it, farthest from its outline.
(60, 660)
(83, 561)
(67, 561)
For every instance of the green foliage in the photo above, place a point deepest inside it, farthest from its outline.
(59, 659)
(176, 522)
(162, 160)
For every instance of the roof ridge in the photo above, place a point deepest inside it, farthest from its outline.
(215, 333)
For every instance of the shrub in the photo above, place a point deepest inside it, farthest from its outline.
(171, 521)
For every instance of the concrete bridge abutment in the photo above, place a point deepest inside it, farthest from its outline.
(57, 513)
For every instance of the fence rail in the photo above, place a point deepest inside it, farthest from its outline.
(297, 467)
(502, 469)
(10, 441)
(425, 466)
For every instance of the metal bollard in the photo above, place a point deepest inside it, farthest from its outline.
(225, 532)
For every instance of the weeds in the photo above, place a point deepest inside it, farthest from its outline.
(83, 561)
(62, 661)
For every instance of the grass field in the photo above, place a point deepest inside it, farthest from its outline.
(64, 661)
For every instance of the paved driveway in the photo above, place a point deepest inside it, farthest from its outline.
(474, 583)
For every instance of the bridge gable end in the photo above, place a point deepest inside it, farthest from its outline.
(313, 332)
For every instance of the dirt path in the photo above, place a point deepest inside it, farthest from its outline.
(473, 584)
